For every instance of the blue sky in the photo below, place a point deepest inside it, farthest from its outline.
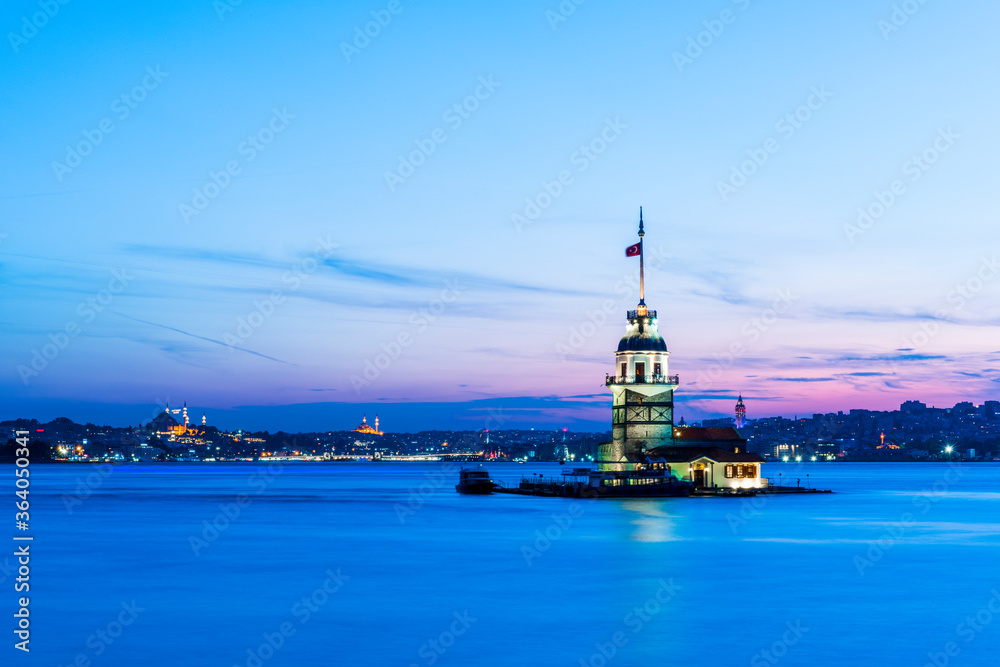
(265, 258)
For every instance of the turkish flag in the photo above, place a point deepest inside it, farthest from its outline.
(633, 250)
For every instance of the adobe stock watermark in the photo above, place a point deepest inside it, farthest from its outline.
(87, 311)
(914, 168)
(363, 35)
(967, 631)
(122, 107)
(223, 7)
(582, 158)
(561, 13)
(894, 532)
(443, 477)
(750, 507)
(901, 14)
(786, 127)
(957, 297)
(86, 486)
(421, 320)
(635, 620)
(291, 281)
(544, 539)
(248, 149)
(103, 638)
(31, 24)
(455, 116)
(697, 44)
(779, 649)
(596, 318)
(432, 649)
(436, 480)
(302, 611)
(229, 512)
(752, 330)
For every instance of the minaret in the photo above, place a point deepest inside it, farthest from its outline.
(203, 422)
(741, 412)
(376, 425)
(641, 386)
(185, 414)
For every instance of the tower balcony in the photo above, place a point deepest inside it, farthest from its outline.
(634, 314)
(641, 379)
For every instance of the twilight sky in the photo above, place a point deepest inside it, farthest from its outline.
(259, 209)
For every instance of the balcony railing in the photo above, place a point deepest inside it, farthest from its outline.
(641, 379)
(633, 314)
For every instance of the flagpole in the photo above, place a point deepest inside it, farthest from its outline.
(642, 288)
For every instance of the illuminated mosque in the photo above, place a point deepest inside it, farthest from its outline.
(165, 425)
(365, 427)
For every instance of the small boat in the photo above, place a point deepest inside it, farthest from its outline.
(474, 480)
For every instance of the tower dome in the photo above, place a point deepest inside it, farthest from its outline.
(641, 334)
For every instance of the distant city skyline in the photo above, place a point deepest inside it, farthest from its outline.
(501, 414)
(429, 220)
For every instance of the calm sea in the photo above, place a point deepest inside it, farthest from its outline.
(384, 564)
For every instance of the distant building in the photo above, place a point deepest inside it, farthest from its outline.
(364, 427)
(165, 426)
(741, 412)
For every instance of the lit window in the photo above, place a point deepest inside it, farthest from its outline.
(656, 369)
(730, 472)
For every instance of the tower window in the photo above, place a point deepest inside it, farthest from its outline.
(624, 369)
(640, 372)
(656, 369)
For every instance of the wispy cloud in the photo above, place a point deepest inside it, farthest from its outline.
(801, 379)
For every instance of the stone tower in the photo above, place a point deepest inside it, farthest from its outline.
(641, 386)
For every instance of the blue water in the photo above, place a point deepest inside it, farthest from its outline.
(416, 574)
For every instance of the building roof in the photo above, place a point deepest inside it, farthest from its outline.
(687, 454)
(727, 434)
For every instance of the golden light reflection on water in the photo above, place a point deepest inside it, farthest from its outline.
(654, 523)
